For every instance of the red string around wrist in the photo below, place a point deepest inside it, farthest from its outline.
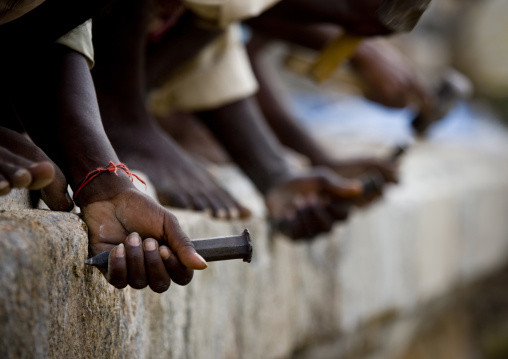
(111, 168)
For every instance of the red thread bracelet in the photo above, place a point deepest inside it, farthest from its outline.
(111, 168)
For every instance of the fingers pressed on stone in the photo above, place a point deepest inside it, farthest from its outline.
(5, 186)
(177, 271)
(339, 211)
(117, 267)
(17, 176)
(56, 197)
(309, 225)
(323, 219)
(42, 174)
(293, 226)
(158, 277)
(136, 272)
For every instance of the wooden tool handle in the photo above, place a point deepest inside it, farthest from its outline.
(339, 50)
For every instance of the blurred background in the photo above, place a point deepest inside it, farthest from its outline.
(458, 167)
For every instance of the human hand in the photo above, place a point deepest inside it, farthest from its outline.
(374, 173)
(309, 204)
(121, 223)
(24, 165)
(355, 168)
(390, 78)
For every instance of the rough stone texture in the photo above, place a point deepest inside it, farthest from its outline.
(16, 199)
(443, 228)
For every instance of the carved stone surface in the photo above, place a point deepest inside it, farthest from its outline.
(443, 227)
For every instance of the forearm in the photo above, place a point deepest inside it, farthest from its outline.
(241, 129)
(276, 108)
(56, 102)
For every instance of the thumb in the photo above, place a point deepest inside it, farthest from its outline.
(180, 243)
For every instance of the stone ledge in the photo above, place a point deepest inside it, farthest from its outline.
(443, 227)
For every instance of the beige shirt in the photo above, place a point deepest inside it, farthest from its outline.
(221, 72)
(224, 12)
(218, 75)
(80, 40)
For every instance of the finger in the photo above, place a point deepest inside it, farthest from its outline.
(177, 271)
(18, 177)
(42, 173)
(293, 227)
(5, 186)
(117, 267)
(180, 243)
(55, 195)
(309, 227)
(158, 277)
(322, 218)
(338, 186)
(339, 211)
(136, 273)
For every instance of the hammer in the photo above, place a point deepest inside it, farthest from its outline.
(396, 15)
(454, 87)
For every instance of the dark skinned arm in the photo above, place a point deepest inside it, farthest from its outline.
(279, 115)
(56, 102)
(304, 203)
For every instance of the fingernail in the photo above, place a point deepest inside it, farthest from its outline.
(134, 239)
(202, 260)
(69, 199)
(208, 211)
(33, 165)
(164, 252)
(21, 173)
(4, 184)
(149, 244)
(120, 251)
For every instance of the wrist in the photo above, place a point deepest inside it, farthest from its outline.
(103, 184)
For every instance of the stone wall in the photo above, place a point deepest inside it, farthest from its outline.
(360, 292)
